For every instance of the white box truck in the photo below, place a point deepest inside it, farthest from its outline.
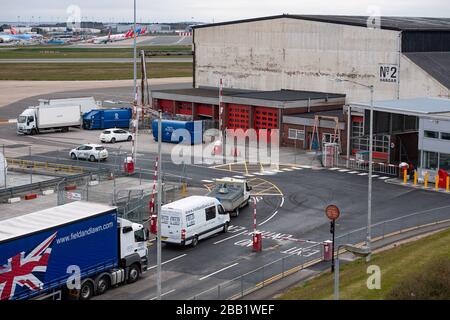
(78, 250)
(34, 120)
(188, 220)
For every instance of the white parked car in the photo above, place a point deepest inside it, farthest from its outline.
(114, 135)
(91, 152)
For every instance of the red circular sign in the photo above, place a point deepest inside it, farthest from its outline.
(332, 212)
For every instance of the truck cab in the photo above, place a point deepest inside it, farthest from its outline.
(27, 122)
(132, 243)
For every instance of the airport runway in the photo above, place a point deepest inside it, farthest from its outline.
(141, 41)
(94, 60)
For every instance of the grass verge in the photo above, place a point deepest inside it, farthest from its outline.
(398, 266)
(77, 52)
(90, 71)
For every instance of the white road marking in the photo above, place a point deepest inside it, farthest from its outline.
(207, 181)
(239, 177)
(233, 236)
(173, 259)
(287, 169)
(383, 178)
(267, 220)
(353, 172)
(375, 176)
(216, 272)
(248, 175)
(363, 174)
(296, 168)
(163, 294)
(344, 170)
(258, 173)
(282, 201)
(276, 170)
(305, 167)
(333, 169)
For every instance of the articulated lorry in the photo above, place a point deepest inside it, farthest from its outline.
(76, 250)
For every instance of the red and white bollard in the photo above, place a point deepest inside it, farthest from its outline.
(327, 250)
(257, 236)
(153, 224)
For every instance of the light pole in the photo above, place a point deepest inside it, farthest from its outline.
(369, 196)
(158, 232)
(361, 252)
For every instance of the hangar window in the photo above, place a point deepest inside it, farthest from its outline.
(445, 136)
(431, 134)
(430, 160)
(444, 161)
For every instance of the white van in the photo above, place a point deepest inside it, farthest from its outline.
(188, 220)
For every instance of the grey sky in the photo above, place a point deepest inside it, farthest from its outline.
(210, 10)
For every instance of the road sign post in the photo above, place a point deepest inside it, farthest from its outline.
(332, 213)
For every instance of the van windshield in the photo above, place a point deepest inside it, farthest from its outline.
(22, 119)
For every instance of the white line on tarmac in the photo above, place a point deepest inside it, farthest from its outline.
(238, 177)
(363, 174)
(267, 220)
(296, 168)
(333, 169)
(248, 175)
(383, 178)
(375, 176)
(173, 259)
(216, 272)
(163, 294)
(305, 167)
(353, 172)
(287, 169)
(282, 202)
(344, 170)
(207, 181)
(233, 236)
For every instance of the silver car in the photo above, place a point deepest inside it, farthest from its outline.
(91, 152)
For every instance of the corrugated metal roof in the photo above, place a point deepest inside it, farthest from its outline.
(412, 106)
(339, 113)
(49, 218)
(288, 95)
(276, 95)
(390, 23)
(437, 64)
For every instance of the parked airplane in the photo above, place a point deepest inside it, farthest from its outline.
(14, 36)
(118, 37)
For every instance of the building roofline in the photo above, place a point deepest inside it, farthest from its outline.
(321, 18)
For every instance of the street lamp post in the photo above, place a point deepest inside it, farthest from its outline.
(369, 196)
(362, 252)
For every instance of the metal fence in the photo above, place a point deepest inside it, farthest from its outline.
(285, 266)
(132, 203)
(363, 165)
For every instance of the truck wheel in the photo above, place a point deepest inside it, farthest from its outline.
(113, 140)
(194, 242)
(236, 213)
(102, 285)
(33, 132)
(86, 290)
(133, 273)
(225, 227)
(91, 158)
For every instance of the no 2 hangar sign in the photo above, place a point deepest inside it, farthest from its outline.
(388, 73)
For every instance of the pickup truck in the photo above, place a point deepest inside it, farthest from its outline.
(232, 193)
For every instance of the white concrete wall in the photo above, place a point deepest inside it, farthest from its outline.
(304, 55)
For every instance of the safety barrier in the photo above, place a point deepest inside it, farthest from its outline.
(363, 165)
(44, 166)
(302, 258)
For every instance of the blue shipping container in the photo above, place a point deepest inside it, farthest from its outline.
(44, 259)
(186, 132)
(107, 118)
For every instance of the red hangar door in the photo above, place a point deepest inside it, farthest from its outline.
(266, 118)
(238, 116)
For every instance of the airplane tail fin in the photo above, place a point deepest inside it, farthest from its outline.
(129, 33)
(13, 30)
(144, 30)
